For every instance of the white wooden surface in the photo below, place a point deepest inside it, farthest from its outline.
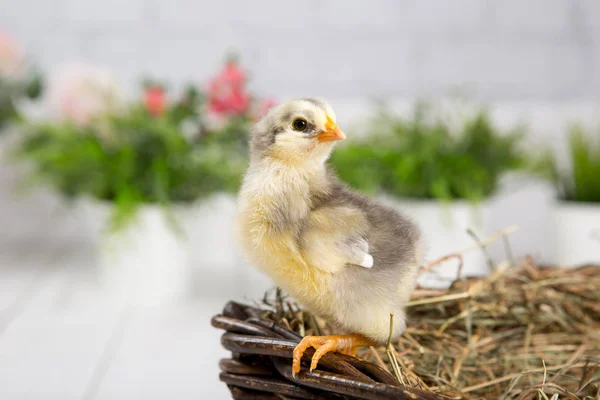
(61, 338)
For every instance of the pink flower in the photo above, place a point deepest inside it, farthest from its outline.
(234, 74)
(80, 92)
(227, 94)
(155, 100)
(11, 59)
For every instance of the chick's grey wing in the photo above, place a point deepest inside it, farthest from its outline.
(392, 238)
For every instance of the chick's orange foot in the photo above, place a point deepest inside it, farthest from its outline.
(345, 344)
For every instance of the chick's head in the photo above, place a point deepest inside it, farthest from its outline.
(297, 132)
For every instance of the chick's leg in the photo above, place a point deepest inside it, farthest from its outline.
(345, 344)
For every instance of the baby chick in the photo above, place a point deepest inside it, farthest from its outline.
(345, 257)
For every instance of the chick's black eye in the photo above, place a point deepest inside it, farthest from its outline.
(299, 124)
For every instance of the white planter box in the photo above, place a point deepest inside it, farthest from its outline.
(219, 268)
(576, 233)
(444, 227)
(150, 264)
(145, 264)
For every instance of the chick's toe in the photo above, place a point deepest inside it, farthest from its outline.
(345, 344)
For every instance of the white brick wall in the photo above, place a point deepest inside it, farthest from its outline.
(540, 18)
(505, 49)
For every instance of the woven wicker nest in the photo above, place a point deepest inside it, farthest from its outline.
(261, 365)
(524, 332)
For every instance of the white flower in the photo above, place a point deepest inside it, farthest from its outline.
(11, 59)
(214, 121)
(189, 128)
(80, 92)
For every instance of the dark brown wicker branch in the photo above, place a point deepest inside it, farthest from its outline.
(262, 360)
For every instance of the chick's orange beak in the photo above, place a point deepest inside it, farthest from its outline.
(332, 132)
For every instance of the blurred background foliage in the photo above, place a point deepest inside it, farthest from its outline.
(579, 180)
(13, 91)
(168, 149)
(153, 150)
(423, 156)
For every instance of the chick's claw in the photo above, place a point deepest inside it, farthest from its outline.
(328, 347)
(344, 344)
